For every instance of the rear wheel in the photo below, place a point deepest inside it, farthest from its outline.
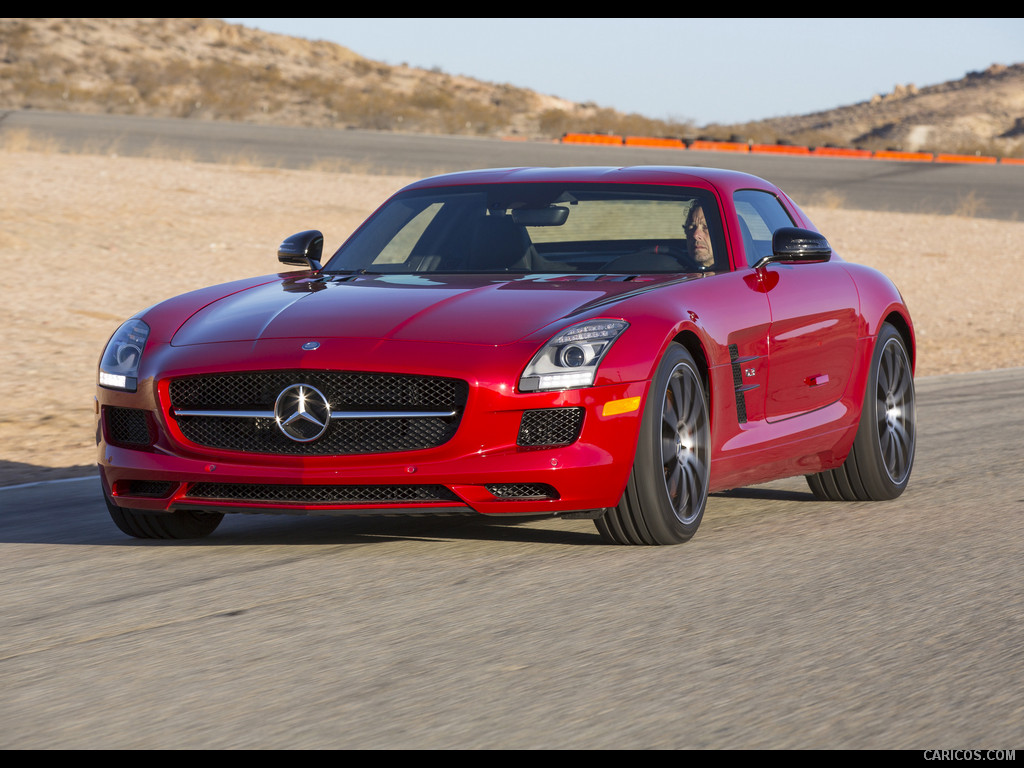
(175, 525)
(878, 466)
(668, 487)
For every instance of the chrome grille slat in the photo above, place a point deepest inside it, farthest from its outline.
(334, 414)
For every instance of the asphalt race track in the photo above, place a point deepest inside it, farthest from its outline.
(887, 185)
(785, 623)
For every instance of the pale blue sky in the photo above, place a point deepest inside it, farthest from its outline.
(704, 70)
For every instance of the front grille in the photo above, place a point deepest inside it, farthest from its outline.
(550, 427)
(345, 391)
(342, 437)
(156, 489)
(522, 491)
(323, 494)
(127, 426)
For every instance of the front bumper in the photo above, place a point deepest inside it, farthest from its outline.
(480, 470)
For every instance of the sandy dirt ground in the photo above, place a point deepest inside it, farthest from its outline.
(88, 240)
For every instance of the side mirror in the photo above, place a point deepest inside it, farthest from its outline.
(790, 244)
(304, 249)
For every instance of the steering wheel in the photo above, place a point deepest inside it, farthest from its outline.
(678, 252)
(662, 257)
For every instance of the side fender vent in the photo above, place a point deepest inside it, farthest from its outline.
(737, 382)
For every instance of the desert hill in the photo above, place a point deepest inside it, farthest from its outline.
(211, 70)
(982, 111)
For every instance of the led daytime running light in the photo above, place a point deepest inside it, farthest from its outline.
(119, 365)
(571, 358)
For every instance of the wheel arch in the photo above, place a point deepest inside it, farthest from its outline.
(881, 302)
(898, 321)
(691, 342)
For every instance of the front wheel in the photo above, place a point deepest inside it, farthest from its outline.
(878, 466)
(176, 525)
(668, 487)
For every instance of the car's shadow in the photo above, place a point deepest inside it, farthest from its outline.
(247, 530)
(765, 494)
(368, 529)
(71, 512)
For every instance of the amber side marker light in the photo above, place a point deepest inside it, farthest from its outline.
(615, 407)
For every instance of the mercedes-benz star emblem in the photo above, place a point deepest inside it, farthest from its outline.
(302, 413)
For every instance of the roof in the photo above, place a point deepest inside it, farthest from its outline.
(639, 174)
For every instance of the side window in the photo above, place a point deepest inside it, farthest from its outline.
(760, 214)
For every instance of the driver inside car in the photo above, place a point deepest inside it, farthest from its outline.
(698, 238)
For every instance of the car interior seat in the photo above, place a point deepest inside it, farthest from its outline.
(498, 243)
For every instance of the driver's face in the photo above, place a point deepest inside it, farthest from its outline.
(698, 238)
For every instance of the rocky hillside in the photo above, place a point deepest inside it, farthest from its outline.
(208, 69)
(983, 111)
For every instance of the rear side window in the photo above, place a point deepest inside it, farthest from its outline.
(760, 214)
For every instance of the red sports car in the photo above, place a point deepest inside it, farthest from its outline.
(603, 343)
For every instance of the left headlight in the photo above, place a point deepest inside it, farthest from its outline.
(570, 359)
(119, 366)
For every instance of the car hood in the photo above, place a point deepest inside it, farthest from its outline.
(471, 309)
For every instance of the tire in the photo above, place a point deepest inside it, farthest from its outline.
(879, 464)
(667, 489)
(174, 525)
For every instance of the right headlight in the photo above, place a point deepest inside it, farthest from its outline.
(570, 359)
(119, 365)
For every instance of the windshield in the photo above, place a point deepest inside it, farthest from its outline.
(545, 228)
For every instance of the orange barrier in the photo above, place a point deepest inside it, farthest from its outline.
(780, 149)
(720, 146)
(650, 141)
(591, 138)
(888, 154)
(948, 158)
(840, 152)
